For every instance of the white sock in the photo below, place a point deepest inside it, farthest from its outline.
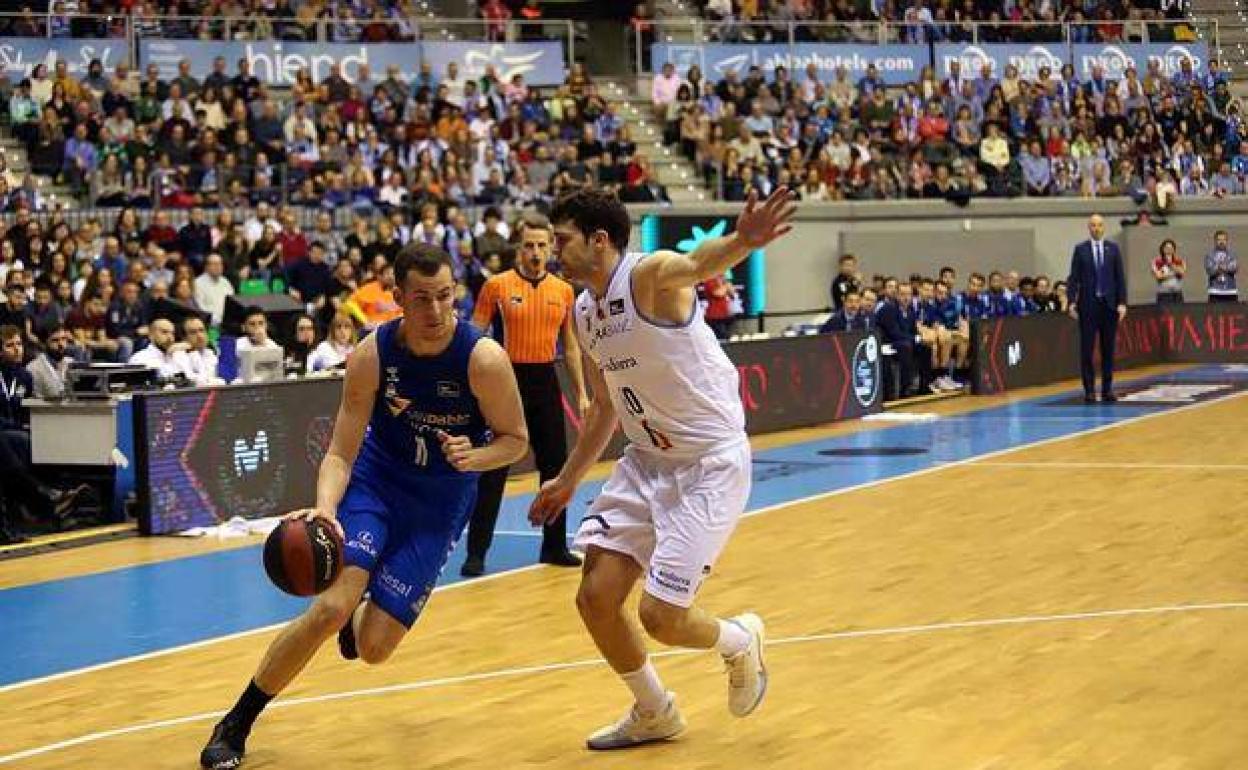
(732, 639)
(647, 689)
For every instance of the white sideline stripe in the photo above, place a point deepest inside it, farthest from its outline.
(1124, 466)
(758, 512)
(506, 673)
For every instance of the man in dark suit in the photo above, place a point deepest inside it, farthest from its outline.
(1097, 291)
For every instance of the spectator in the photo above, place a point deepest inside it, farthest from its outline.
(127, 320)
(212, 288)
(1222, 266)
(333, 351)
(302, 344)
(663, 91)
(309, 279)
(374, 301)
(1168, 270)
(255, 331)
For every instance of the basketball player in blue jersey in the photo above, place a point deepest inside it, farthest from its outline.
(427, 405)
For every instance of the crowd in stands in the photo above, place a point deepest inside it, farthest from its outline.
(362, 21)
(1148, 136)
(361, 142)
(923, 21)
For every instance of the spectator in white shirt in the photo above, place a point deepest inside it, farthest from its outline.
(254, 227)
(663, 90)
(454, 85)
(256, 329)
(333, 351)
(164, 355)
(200, 358)
(212, 288)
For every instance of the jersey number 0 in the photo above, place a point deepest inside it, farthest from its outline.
(633, 404)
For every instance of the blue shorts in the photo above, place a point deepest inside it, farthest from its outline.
(403, 533)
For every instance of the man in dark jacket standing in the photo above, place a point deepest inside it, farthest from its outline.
(1097, 292)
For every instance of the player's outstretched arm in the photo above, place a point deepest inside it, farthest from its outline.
(596, 431)
(493, 382)
(757, 226)
(359, 389)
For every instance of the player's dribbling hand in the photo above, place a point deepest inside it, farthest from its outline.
(459, 452)
(551, 499)
(310, 514)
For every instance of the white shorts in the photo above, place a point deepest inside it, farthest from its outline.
(674, 517)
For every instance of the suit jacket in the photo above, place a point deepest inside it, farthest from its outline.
(1081, 285)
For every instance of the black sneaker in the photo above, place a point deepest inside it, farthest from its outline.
(1109, 398)
(346, 639)
(225, 748)
(561, 558)
(474, 566)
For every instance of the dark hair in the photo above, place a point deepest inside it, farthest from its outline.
(1161, 248)
(48, 330)
(948, 269)
(8, 332)
(425, 259)
(253, 310)
(847, 257)
(592, 209)
(1024, 283)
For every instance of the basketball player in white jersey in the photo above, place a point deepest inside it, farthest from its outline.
(675, 496)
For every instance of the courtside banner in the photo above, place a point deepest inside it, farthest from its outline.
(204, 455)
(1028, 58)
(19, 55)
(1015, 353)
(1115, 58)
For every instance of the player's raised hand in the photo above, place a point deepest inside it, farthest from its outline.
(759, 225)
(458, 450)
(551, 499)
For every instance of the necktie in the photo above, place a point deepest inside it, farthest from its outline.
(1099, 259)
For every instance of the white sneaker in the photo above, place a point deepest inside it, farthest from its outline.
(638, 727)
(747, 672)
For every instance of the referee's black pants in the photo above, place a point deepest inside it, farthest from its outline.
(543, 411)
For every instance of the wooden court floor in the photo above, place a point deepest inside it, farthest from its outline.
(1080, 604)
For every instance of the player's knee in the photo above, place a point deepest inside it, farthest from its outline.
(329, 615)
(593, 601)
(374, 649)
(661, 620)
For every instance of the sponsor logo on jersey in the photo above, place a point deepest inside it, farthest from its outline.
(665, 578)
(865, 371)
(516, 299)
(397, 404)
(392, 583)
(448, 389)
(620, 364)
(617, 307)
(364, 542)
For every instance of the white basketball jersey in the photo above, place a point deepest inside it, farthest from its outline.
(673, 387)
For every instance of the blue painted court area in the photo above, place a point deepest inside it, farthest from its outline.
(68, 624)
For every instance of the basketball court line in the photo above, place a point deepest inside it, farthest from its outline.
(1121, 466)
(978, 458)
(507, 673)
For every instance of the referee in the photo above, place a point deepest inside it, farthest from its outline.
(534, 307)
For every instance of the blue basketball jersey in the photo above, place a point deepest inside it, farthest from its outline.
(419, 396)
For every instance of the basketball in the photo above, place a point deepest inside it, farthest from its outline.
(303, 558)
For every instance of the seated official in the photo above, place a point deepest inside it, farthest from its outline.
(163, 354)
(200, 359)
(49, 371)
(18, 485)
